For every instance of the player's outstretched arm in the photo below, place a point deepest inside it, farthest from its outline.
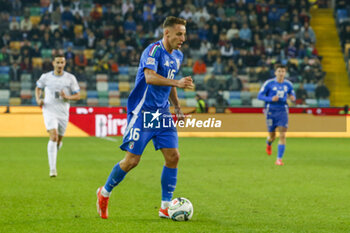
(38, 98)
(75, 96)
(155, 79)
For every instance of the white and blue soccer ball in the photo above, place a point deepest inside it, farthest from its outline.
(180, 209)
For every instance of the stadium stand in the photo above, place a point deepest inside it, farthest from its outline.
(236, 42)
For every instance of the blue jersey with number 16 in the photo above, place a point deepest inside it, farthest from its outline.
(272, 88)
(152, 97)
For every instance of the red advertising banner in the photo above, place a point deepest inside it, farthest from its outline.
(99, 121)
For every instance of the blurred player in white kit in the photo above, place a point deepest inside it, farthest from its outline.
(59, 87)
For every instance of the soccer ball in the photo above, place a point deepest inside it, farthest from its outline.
(180, 209)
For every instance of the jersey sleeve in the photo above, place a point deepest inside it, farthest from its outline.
(263, 92)
(74, 86)
(151, 58)
(41, 82)
(291, 90)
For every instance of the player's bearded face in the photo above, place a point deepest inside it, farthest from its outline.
(59, 63)
(176, 36)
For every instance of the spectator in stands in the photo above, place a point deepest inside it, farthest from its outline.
(45, 19)
(35, 34)
(319, 74)
(186, 13)
(46, 41)
(69, 54)
(101, 66)
(15, 72)
(205, 47)
(345, 36)
(101, 49)
(54, 5)
(212, 86)
(230, 34)
(80, 59)
(227, 51)
(199, 67)
(308, 75)
(214, 35)
(14, 24)
(36, 52)
(321, 91)
(129, 24)
(230, 67)
(67, 15)
(134, 58)
(56, 16)
(15, 56)
(26, 24)
(127, 6)
(221, 103)
(201, 105)
(16, 7)
(108, 17)
(4, 22)
(113, 66)
(218, 66)
(203, 32)
(4, 56)
(263, 74)
(234, 83)
(202, 13)
(123, 58)
(245, 33)
(283, 24)
(273, 16)
(26, 65)
(301, 94)
(57, 40)
(15, 33)
(291, 50)
(237, 42)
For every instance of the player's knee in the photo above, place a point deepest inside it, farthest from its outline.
(132, 162)
(173, 159)
(54, 137)
(283, 138)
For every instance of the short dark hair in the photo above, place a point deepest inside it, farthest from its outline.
(58, 55)
(280, 66)
(172, 20)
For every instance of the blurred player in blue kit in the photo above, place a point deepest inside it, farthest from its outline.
(275, 93)
(155, 84)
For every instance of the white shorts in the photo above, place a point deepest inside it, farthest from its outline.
(53, 122)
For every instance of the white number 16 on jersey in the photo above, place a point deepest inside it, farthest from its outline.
(280, 94)
(171, 74)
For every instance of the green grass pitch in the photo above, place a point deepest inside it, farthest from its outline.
(232, 184)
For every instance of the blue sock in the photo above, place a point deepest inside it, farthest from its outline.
(281, 148)
(116, 176)
(168, 180)
(268, 143)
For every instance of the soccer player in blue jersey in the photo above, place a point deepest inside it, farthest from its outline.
(155, 84)
(275, 93)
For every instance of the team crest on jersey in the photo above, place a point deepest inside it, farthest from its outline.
(150, 61)
(274, 88)
(131, 145)
(285, 88)
(178, 63)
